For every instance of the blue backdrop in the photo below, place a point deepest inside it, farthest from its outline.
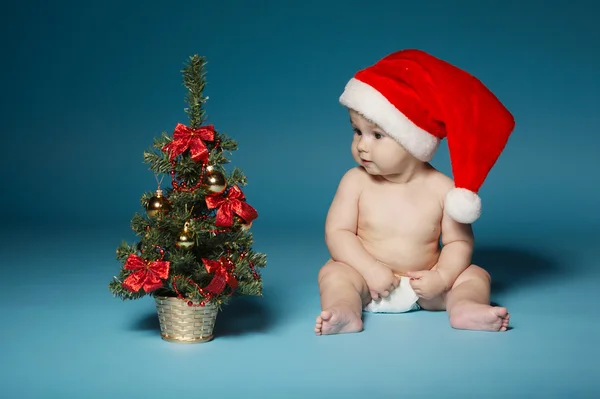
(88, 85)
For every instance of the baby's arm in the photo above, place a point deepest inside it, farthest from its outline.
(341, 225)
(457, 250)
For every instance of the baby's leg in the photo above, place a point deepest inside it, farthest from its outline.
(344, 292)
(468, 303)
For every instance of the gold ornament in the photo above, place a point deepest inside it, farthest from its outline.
(243, 226)
(214, 181)
(157, 204)
(185, 239)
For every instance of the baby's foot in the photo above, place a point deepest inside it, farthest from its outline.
(476, 316)
(337, 320)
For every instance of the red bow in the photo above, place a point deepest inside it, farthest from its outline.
(147, 274)
(234, 202)
(185, 137)
(223, 269)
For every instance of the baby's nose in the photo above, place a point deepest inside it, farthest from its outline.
(362, 145)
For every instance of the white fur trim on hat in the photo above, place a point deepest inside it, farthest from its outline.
(367, 101)
(463, 205)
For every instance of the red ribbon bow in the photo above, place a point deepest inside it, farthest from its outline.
(185, 137)
(223, 270)
(234, 202)
(147, 274)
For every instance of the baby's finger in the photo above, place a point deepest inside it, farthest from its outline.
(385, 294)
(415, 275)
(396, 280)
(374, 296)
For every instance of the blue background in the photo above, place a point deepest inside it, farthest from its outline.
(87, 86)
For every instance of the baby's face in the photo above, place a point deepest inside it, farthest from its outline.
(374, 150)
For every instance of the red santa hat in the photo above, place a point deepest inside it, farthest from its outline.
(419, 100)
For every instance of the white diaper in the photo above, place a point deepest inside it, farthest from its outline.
(402, 299)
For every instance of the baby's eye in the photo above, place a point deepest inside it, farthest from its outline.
(378, 135)
(356, 131)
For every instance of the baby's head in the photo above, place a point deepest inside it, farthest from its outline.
(375, 150)
(418, 100)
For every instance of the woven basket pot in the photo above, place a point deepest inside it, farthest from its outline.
(181, 323)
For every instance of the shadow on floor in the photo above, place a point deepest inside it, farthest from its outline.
(512, 267)
(147, 322)
(244, 315)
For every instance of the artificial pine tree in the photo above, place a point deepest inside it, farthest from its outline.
(194, 239)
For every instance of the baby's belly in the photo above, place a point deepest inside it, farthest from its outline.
(403, 255)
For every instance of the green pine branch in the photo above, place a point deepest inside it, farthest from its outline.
(194, 79)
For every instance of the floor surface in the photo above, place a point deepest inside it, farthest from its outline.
(65, 336)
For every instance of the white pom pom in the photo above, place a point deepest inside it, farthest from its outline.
(463, 205)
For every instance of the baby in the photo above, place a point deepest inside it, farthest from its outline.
(398, 231)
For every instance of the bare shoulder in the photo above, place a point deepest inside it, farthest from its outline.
(354, 179)
(356, 173)
(439, 183)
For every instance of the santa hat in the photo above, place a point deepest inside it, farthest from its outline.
(419, 100)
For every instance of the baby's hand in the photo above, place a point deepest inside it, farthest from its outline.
(381, 281)
(427, 284)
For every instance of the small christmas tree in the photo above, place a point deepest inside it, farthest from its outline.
(194, 240)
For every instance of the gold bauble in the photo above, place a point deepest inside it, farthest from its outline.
(243, 226)
(157, 204)
(185, 238)
(214, 181)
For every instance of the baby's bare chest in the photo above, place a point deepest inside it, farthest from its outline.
(399, 211)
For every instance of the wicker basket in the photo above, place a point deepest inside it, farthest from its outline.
(185, 324)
